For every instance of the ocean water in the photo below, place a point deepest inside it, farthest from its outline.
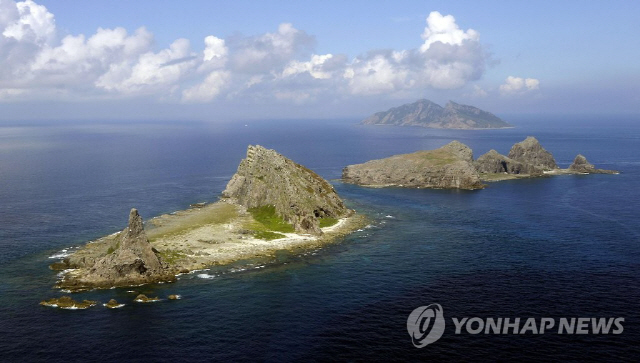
(567, 246)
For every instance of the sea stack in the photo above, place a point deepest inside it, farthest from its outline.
(531, 152)
(450, 166)
(300, 196)
(133, 261)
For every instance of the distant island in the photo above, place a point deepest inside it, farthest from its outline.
(271, 203)
(453, 167)
(426, 113)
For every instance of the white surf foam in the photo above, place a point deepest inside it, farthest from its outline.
(114, 307)
(61, 254)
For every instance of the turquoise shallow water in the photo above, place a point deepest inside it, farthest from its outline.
(566, 246)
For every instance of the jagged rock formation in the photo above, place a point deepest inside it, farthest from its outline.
(132, 262)
(532, 153)
(450, 166)
(429, 114)
(582, 166)
(494, 162)
(299, 195)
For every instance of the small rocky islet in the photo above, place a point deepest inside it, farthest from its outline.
(452, 167)
(68, 303)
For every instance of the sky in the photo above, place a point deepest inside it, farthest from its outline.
(238, 60)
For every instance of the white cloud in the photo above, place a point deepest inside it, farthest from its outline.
(214, 49)
(516, 85)
(264, 53)
(151, 70)
(314, 67)
(9, 93)
(448, 59)
(77, 61)
(279, 65)
(377, 74)
(532, 84)
(33, 23)
(209, 89)
(479, 92)
(445, 30)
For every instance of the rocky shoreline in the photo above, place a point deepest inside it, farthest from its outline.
(181, 244)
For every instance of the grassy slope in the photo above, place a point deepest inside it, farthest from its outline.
(213, 214)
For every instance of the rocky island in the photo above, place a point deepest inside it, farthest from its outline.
(450, 166)
(582, 166)
(453, 167)
(297, 194)
(271, 203)
(429, 114)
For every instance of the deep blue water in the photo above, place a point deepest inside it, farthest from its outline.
(567, 246)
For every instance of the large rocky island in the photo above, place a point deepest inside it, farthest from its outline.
(271, 203)
(429, 114)
(453, 167)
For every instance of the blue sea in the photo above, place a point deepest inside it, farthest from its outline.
(560, 247)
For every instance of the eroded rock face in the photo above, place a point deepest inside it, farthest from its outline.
(450, 166)
(494, 162)
(532, 153)
(299, 195)
(133, 261)
(460, 150)
(581, 165)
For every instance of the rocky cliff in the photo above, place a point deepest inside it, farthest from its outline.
(300, 196)
(494, 162)
(450, 166)
(429, 114)
(582, 166)
(532, 153)
(132, 261)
